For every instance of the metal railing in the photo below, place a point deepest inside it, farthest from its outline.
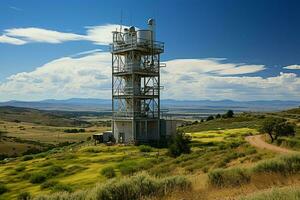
(132, 67)
(137, 114)
(119, 43)
(143, 91)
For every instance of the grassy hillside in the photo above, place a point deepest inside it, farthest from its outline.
(221, 165)
(16, 114)
(81, 166)
(244, 120)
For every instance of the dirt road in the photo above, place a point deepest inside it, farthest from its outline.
(258, 141)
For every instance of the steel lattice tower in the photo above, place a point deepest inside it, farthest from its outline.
(136, 84)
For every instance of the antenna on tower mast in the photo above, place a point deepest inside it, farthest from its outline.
(121, 20)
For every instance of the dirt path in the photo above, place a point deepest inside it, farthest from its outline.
(258, 141)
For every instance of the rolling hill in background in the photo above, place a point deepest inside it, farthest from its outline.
(173, 106)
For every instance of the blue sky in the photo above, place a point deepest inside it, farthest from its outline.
(214, 49)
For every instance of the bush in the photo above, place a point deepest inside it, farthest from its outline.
(228, 114)
(284, 165)
(48, 184)
(141, 185)
(180, 144)
(228, 177)
(20, 168)
(210, 117)
(128, 167)
(3, 188)
(62, 187)
(135, 187)
(276, 194)
(74, 130)
(54, 171)
(145, 148)
(25, 158)
(32, 151)
(38, 177)
(24, 196)
(108, 172)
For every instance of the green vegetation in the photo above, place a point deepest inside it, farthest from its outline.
(180, 144)
(217, 156)
(24, 196)
(28, 157)
(276, 127)
(290, 193)
(38, 177)
(228, 177)
(3, 188)
(145, 148)
(18, 115)
(20, 168)
(244, 120)
(134, 187)
(285, 165)
(228, 114)
(108, 172)
(74, 130)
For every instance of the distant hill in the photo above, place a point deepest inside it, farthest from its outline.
(104, 105)
(18, 114)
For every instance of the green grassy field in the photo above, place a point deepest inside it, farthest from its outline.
(221, 164)
(81, 165)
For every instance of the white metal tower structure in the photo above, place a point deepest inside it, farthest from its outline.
(136, 85)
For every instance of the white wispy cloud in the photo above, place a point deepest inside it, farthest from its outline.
(90, 76)
(213, 66)
(100, 35)
(292, 67)
(15, 8)
(32, 34)
(193, 79)
(11, 40)
(87, 76)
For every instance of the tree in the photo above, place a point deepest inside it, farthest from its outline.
(210, 117)
(229, 114)
(284, 129)
(218, 116)
(180, 143)
(276, 127)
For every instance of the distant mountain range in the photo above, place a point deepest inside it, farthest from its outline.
(104, 105)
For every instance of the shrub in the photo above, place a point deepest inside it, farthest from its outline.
(74, 130)
(62, 187)
(228, 114)
(140, 185)
(38, 177)
(24, 196)
(210, 117)
(145, 148)
(54, 171)
(228, 177)
(135, 187)
(3, 188)
(20, 168)
(275, 194)
(32, 151)
(28, 157)
(284, 165)
(108, 172)
(128, 167)
(49, 184)
(180, 144)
